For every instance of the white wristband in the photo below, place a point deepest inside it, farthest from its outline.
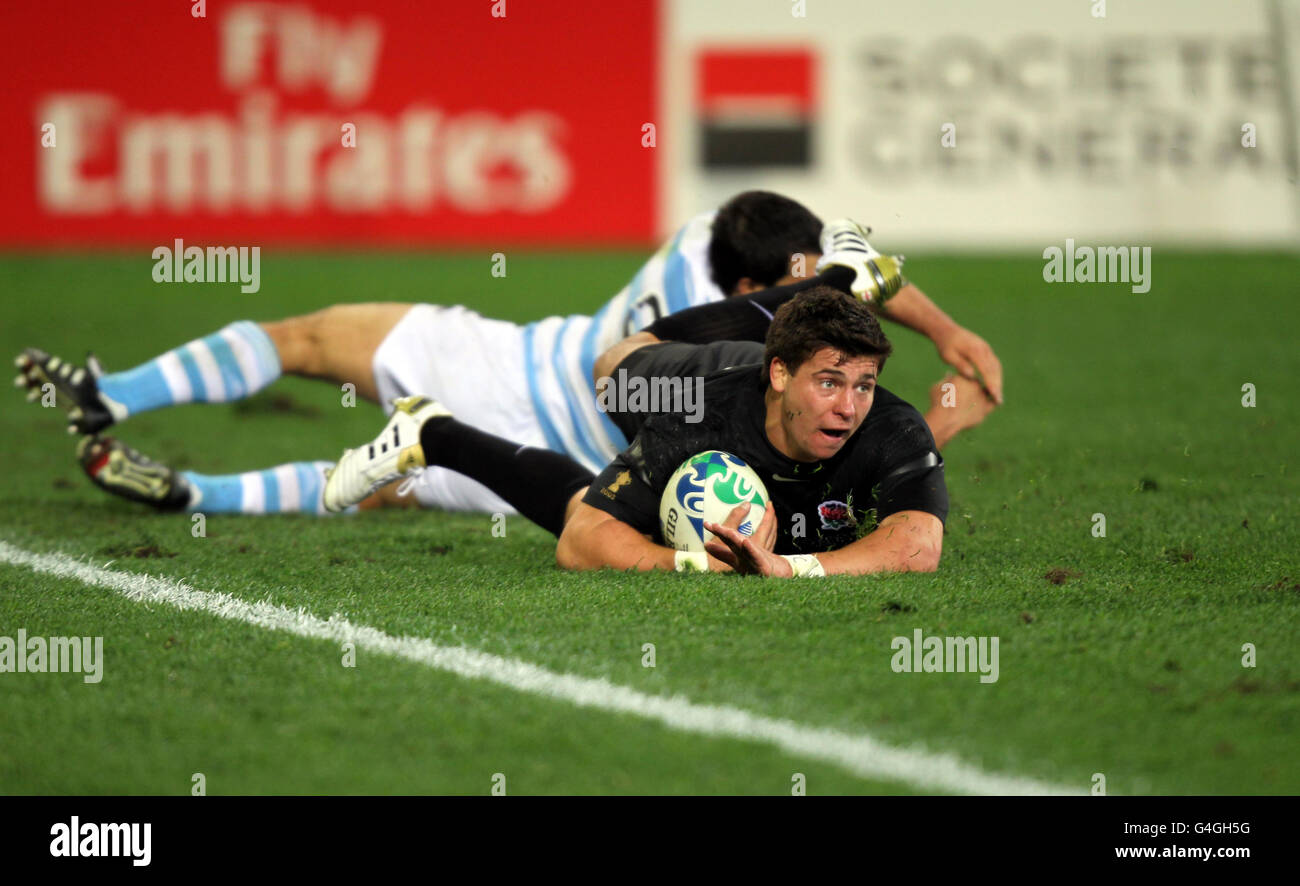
(691, 561)
(805, 565)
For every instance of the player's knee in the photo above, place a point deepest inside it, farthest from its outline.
(297, 342)
(315, 329)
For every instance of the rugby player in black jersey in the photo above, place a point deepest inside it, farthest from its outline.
(852, 471)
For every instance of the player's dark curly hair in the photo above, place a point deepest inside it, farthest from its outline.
(754, 235)
(822, 317)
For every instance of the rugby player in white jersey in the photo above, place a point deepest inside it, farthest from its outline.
(532, 383)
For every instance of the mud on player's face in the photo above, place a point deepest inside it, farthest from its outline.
(825, 402)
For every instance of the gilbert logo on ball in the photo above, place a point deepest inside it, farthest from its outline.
(706, 488)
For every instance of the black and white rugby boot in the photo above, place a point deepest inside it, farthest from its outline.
(117, 468)
(878, 276)
(74, 388)
(394, 454)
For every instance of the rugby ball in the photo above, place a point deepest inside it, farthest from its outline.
(706, 487)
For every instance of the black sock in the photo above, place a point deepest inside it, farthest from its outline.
(744, 317)
(538, 483)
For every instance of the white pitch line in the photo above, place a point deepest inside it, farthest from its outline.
(859, 754)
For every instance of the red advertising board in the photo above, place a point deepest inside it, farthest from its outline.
(328, 121)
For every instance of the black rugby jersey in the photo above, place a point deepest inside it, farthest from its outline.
(890, 464)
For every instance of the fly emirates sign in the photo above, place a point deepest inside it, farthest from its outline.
(344, 119)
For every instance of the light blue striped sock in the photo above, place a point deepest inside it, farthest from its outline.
(297, 487)
(230, 364)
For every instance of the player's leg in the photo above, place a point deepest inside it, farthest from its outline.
(387, 350)
(116, 468)
(540, 484)
(387, 498)
(392, 350)
(443, 489)
(476, 368)
(234, 362)
(458, 492)
(337, 343)
(231, 363)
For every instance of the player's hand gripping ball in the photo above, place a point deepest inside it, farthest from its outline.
(706, 488)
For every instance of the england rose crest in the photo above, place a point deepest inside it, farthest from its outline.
(836, 515)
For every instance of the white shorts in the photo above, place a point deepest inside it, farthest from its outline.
(475, 367)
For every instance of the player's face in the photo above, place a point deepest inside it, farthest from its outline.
(822, 404)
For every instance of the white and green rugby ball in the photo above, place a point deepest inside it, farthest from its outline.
(706, 487)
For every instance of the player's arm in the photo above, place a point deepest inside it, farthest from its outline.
(878, 280)
(746, 318)
(906, 541)
(960, 348)
(615, 523)
(595, 539)
(910, 495)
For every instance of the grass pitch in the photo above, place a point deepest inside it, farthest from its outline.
(1120, 655)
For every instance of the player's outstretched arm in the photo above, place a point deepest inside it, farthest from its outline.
(960, 348)
(593, 539)
(907, 541)
(956, 403)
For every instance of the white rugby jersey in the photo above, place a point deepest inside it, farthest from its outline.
(560, 352)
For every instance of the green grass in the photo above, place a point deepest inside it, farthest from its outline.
(1121, 404)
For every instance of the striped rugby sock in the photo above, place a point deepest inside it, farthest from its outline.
(297, 487)
(230, 364)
